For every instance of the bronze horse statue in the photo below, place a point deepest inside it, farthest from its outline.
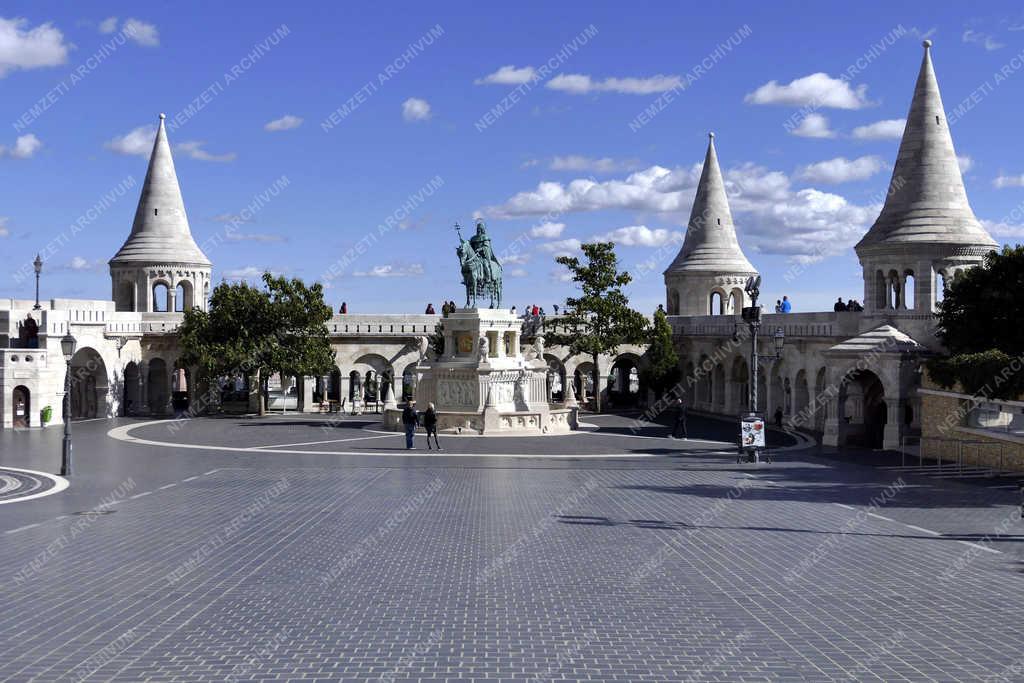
(475, 278)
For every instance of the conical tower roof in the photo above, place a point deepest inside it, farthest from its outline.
(160, 233)
(926, 202)
(710, 243)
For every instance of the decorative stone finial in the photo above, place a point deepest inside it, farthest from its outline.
(927, 44)
(163, 116)
(711, 135)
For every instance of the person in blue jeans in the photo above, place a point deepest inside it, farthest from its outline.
(410, 418)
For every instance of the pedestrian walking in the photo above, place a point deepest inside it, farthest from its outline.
(430, 425)
(410, 418)
(679, 427)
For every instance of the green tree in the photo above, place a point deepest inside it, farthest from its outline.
(980, 323)
(599, 320)
(255, 332)
(662, 369)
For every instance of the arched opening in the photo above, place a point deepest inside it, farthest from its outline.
(894, 295)
(283, 391)
(862, 411)
(555, 379)
(355, 387)
(716, 303)
(161, 298)
(158, 394)
(88, 385)
(125, 296)
(21, 401)
(181, 380)
(704, 382)
(736, 302)
(909, 295)
(131, 403)
(940, 287)
(624, 382)
(673, 302)
(334, 385)
(778, 389)
(801, 400)
(183, 297)
(740, 378)
(718, 386)
(584, 379)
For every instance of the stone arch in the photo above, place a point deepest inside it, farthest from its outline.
(161, 297)
(21, 402)
(624, 385)
(736, 301)
(158, 393)
(941, 283)
(409, 382)
(89, 384)
(739, 376)
(584, 379)
(131, 402)
(555, 378)
(862, 410)
(893, 294)
(183, 296)
(909, 290)
(717, 302)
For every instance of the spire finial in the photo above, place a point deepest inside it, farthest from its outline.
(163, 116)
(927, 43)
(711, 134)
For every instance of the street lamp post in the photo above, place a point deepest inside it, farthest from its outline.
(752, 317)
(67, 346)
(38, 265)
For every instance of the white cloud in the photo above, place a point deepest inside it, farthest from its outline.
(770, 215)
(986, 40)
(639, 236)
(4, 232)
(562, 247)
(1004, 181)
(817, 90)
(80, 263)
(517, 272)
(141, 32)
(561, 275)
(231, 218)
(547, 230)
(1001, 229)
(813, 126)
(30, 48)
(108, 25)
(964, 162)
(415, 109)
(389, 270)
(194, 149)
(514, 259)
(841, 170)
(286, 122)
(887, 129)
(529, 163)
(139, 141)
(581, 84)
(25, 146)
(509, 75)
(577, 162)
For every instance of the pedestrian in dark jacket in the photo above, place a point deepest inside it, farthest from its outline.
(679, 428)
(430, 425)
(410, 418)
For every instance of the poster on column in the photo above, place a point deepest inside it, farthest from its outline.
(752, 431)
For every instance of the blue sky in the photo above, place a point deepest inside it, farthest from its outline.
(804, 181)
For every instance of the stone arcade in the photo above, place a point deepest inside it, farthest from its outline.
(849, 377)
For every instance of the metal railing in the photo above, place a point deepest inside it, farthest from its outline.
(996, 467)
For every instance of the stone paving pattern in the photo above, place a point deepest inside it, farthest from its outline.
(224, 566)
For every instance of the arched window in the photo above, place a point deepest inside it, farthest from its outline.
(717, 304)
(940, 286)
(160, 298)
(179, 298)
(909, 295)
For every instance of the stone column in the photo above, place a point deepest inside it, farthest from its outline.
(306, 404)
(893, 425)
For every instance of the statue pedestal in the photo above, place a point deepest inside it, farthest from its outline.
(483, 384)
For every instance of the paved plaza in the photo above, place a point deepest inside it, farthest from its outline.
(294, 548)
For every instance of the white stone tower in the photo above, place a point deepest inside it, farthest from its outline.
(926, 232)
(160, 267)
(708, 274)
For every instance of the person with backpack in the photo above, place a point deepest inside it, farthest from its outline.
(430, 425)
(410, 418)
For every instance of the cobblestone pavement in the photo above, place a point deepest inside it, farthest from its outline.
(670, 563)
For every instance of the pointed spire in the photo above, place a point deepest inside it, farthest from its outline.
(710, 243)
(926, 201)
(160, 233)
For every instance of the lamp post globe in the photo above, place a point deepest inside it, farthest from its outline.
(67, 347)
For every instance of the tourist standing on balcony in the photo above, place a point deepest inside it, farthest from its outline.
(786, 305)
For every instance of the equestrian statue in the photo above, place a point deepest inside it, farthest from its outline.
(481, 271)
